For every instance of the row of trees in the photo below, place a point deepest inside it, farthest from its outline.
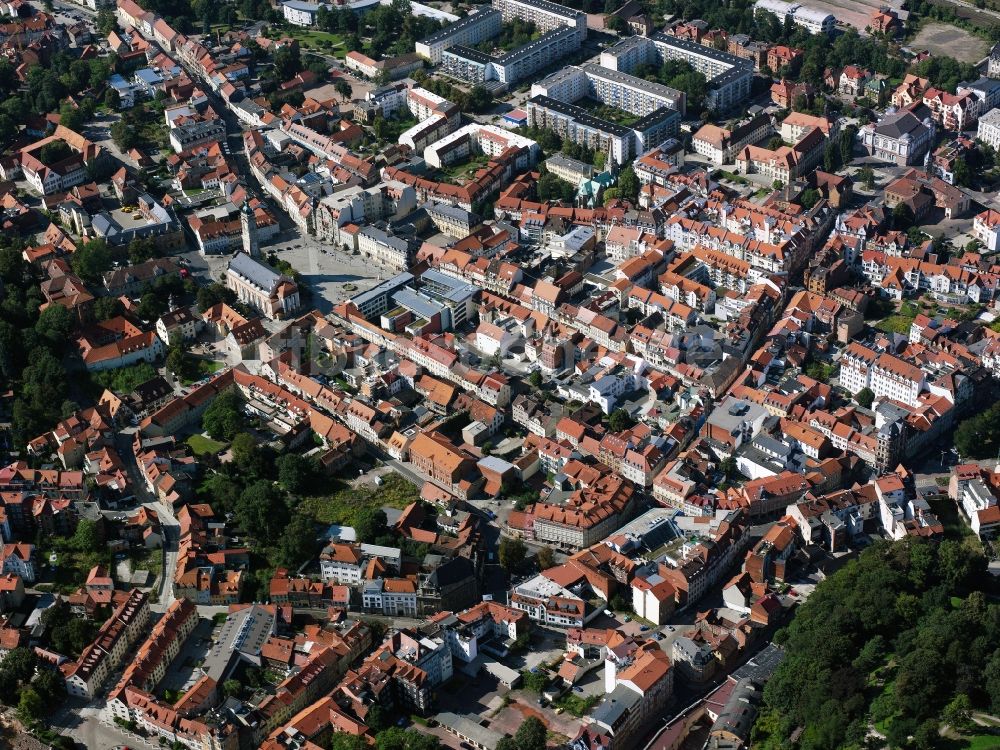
(876, 643)
(393, 29)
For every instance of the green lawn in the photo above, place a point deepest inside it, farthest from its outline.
(315, 39)
(345, 502)
(577, 705)
(201, 445)
(981, 742)
(897, 323)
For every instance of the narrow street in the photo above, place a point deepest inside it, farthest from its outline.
(168, 522)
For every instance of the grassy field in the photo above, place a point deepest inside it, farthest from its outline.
(325, 41)
(346, 502)
(202, 444)
(897, 323)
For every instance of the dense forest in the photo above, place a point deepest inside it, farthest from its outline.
(900, 647)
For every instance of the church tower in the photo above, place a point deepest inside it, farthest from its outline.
(249, 223)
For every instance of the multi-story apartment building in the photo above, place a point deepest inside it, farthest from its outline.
(989, 129)
(587, 516)
(190, 128)
(728, 76)
(546, 15)
(257, 285)
(887, 376)
(469, 64)
(65, 173)
(478, 139)
(392, 597)
(154, 656)
(394, 253)
(986, 229)
(720, 145)
(104, 655)
(548, 603)
(468, 31)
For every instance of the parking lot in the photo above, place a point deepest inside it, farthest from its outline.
(183, 672)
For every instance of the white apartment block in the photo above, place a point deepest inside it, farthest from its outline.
(546, 16)
(423, 103)
(386, 250)
(469, 31)
(986, 229)
(393, 597)
(475, 138)
(885, 375)
(989, 129)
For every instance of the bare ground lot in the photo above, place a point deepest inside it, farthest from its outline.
(943, 39)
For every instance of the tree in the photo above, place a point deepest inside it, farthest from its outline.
(106, 22)
(49, 686)
(370, 524)
(535, 379)
(106, 308)
(962, 173)
(141, 249)
(865, 397)
(958, 712)
(30, 707)
(531, 735)
(809, 198)
(345, 741)
(287, 62)
(72, 636)
(628, 184)
(213, 294)
(545, 558)
(902, 217)
(620, 420)
(343, 88)
(224, 416)
(87, 537)
(231, 688)
(866, 176)
(248, 457)
(298, 542)
(181, 363)
(295, 472)
(535, 682)
(91, 260)
(55, 324)
(511, 553)
(262, 512)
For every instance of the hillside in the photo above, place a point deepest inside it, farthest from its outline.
(902, 644)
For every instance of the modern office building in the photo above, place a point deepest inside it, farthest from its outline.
(468, 31)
